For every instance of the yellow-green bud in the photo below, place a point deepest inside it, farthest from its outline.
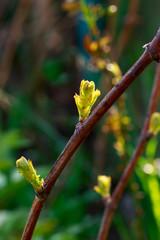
(104, 186)
(86, 99)
(87, 88)
(26, 169)
(22, 164)
(154, 126)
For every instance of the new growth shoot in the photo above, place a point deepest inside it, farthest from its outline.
(26, 169)
(86, 99)
(154, 127)
(104, 186)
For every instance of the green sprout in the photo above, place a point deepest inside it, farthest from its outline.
(154, 126)
(26, 169)
(86, 99)
(104, 186)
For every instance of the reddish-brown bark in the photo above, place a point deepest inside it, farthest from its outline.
(143, 140)
(82, 130)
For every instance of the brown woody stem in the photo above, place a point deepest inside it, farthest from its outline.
(82, 130)
(143, 140)
(33, 217)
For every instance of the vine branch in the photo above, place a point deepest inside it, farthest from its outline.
(143, 140)
(82, 130)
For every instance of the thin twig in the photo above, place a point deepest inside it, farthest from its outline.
(130, 22)
(82, 130)
(14, 38)
(35, 211)
(143, 140)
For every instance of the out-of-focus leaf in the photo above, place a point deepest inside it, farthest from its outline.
(121, 227)
(6, 164)
(154, 190)
(45, 226)
(151, 148)
(22, 113)
(12, 223)
(82, 230)
(10, 191)
(13, 140)
(3, 180)
(9, 141)
(150, 185)
(63, 236)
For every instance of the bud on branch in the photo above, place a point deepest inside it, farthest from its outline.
(104, 186)
(86, 99)
(26, 169)
(154, 127)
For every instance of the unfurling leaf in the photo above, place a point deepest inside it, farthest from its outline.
(26, 169)
(104, 186)
(154, 127)
(86, 99)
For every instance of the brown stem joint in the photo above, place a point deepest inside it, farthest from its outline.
(154, 47)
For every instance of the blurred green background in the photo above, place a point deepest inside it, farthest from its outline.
(46, 49)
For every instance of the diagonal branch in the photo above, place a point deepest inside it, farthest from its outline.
(82, 130)
(143, 140)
